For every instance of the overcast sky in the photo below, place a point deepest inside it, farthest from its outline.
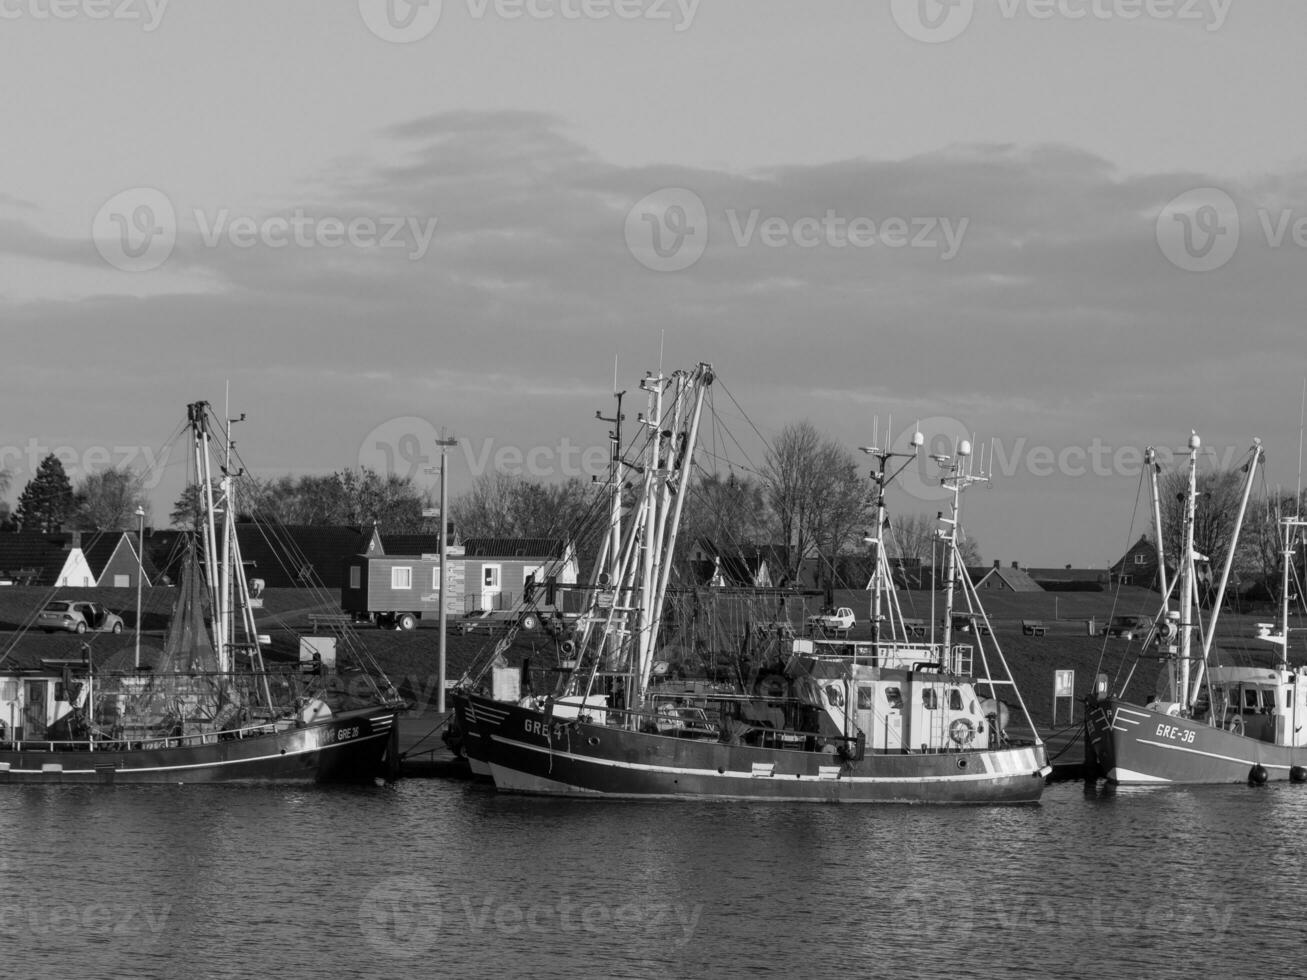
(1072, 228)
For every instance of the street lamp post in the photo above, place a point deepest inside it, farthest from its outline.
(140, 574)
(444, 445)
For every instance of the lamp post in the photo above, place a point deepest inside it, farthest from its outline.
(140, 574)
(444, 445)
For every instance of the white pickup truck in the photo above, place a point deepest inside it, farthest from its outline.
(841, 620)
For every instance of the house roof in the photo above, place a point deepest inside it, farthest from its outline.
(513, 547)
(415, 544)
(1014, 578)
(34, 557)
(1068, 574)
(301, 555)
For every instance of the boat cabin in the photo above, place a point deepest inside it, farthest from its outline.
(34, 700)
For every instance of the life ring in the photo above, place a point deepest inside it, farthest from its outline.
(962, 731)
(1235, 725)
(835, 695)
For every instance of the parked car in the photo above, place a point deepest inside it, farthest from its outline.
(840, 619)
(1127, 627)
(78, 617)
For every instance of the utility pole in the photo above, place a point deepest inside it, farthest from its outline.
(140, 574)
(444, 445)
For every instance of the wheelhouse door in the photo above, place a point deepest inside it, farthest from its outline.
(36, 710)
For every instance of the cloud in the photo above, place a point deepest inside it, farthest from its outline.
(1059, 315)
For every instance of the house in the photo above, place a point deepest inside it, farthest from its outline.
(1069, 579)
(1001, 579)
(743, 567)
(1138, 566)
(36, 558)
(112, 558)
(495, 570)
(301, 556)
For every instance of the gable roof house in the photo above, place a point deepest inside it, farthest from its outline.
(744, 567)
(34, 558)
(112, 558)
(1001, 579)
(1138, 566)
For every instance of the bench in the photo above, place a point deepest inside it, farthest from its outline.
(1033, 627)
(318, 620)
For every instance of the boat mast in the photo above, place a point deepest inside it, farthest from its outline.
(195, 413)
(1150, 460)
(1180, 688)
(880, 479)
(1255, 457)
(957, 477)
(680, 465)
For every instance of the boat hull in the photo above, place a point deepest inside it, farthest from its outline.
(348, 747)
(472, 746)
(528, 752)
(1131, 745)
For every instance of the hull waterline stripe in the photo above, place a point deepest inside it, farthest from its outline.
(206, 765)
(960, 777)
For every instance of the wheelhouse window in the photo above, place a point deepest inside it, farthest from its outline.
(866, 697)
(929, 700)
(954, 699)
(894, 697)
(401, 577)
(1250, 697)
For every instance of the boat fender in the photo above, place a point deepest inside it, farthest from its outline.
(1258, 775)
(1235, 724)
(962, 731)
(1298, 774)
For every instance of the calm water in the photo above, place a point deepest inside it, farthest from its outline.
(431, 878)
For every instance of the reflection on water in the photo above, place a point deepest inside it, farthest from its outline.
(432, 878)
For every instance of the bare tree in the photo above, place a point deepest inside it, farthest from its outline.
(791, 474)
(107, 501)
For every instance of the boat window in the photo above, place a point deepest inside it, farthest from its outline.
(1268, 697)
(1250, 697)
(928, 699)
(954, 699)
(894, 697)
(865, 697)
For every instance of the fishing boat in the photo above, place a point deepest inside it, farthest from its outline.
(819, 720)
(1209, 721)
(205, 708)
